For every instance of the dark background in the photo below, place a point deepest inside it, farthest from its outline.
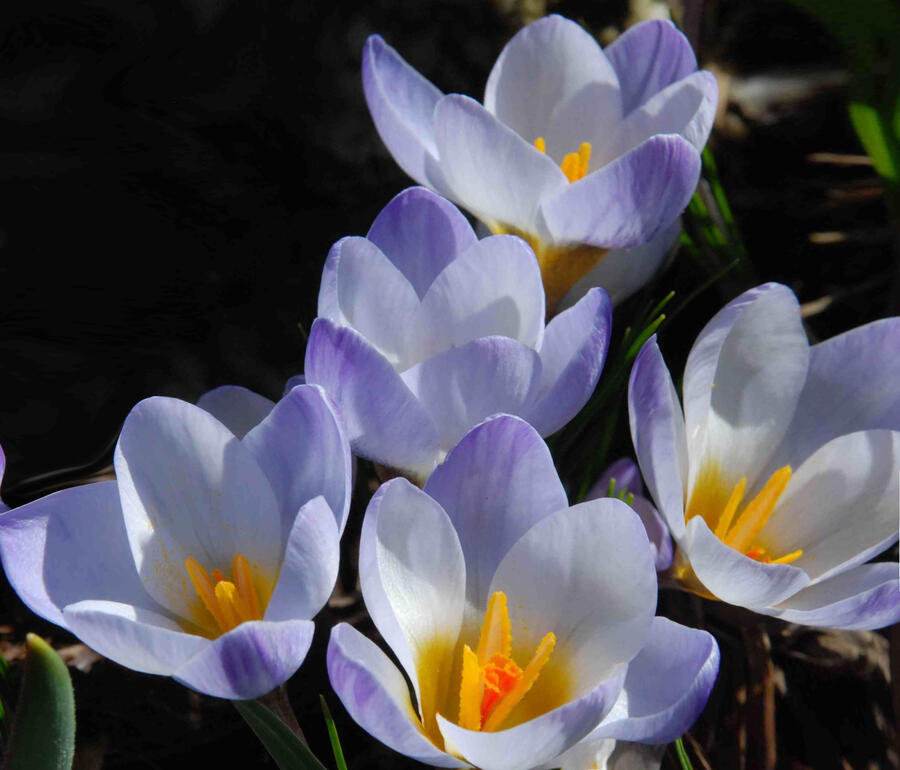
(172, 175)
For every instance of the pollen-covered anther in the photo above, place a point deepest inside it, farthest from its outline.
(575, 164)
(230, 602)
(492, 683)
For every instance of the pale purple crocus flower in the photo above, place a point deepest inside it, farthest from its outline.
(779, 479)
(525, 626)
(622, 479)
(586, 153)
(424, 331)
(208, 556)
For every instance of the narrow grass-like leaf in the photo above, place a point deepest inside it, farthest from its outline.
(288, 751)
(683, 757)
(333, 735)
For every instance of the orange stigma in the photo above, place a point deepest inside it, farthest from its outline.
(492, 682)
(230, 602)
(575, 164)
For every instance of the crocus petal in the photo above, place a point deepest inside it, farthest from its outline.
(607, 612)
(862, 598)
(537, 740)
(590, 115)
(491, 170)
(686, 108)
(623, 271)
(851, 385)
(302, 449)
(346, 297)
(666, 687)
(703, 360)
(648, 57)
(607, 754)
(493, 288)
(494, 485)
(292, 382)
(463, 385)
(140, 639)
(657, 430)
(759, 373)
(237, 408)
(572, 357)
(421, 233)
(70, 546)
(310, 564)
(383, 419)
(402, 103)
(3, 506)
(735, 578)
(169, 458)
(630, 200)
(657, 532)
(248, 661)
(543, 66)
(412, 572)
(840, 506)
(376, 695)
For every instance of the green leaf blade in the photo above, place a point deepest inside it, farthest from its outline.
(288, 751)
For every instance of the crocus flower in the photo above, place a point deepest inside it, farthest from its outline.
(424, 331)
(3, 506)
(524, 625)
(207, 557)
(579, 150)
(780, 477)
(623, 480)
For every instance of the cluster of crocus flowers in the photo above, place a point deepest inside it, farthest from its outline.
(424, 330)
(585, 153)
(779, 479)
(208, 556)
(465, 582)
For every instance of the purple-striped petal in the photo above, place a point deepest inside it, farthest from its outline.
(376, 695)
(491, 170)
(70, 546)
(629, 201)
(494, 485)
(237, 408)
(536, 741)
(543, 66)
(862, 598)
(383, 419)
(310, 564)
(401, 103)
(463, 385)
(302, 449)
(657, 430)
(648, 57)
(138, 638)
(735, 578)
(572, 357)
(248, 661)
(421, 233)
(666, 687)
(623, 271)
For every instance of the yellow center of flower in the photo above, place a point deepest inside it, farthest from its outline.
(230, 602)
(492, 683)
(739, 529)
(575, 164)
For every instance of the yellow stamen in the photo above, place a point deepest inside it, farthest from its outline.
(754, 517)
(492, 684)
(793, 556)
(229, 603)
(523, 685)
(575, 164)
(470, 691)
(496, 634)
(737, 494)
